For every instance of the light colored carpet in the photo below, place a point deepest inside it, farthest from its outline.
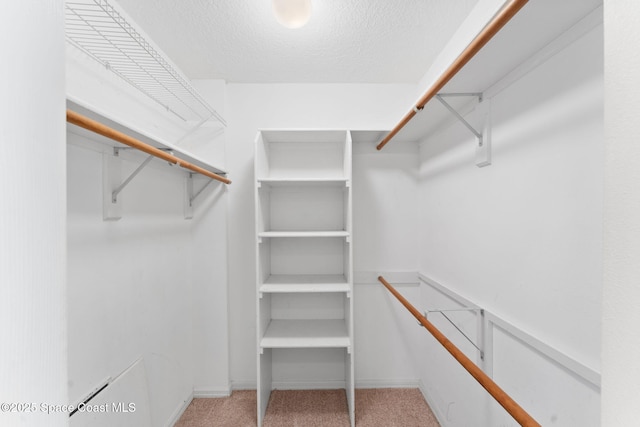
(388, 407)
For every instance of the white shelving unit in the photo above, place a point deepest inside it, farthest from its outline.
(304, 262)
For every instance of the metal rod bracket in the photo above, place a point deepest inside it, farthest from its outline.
(483, 148)
(440, 97)
(119, 188)
(443, 311)
(190, 196)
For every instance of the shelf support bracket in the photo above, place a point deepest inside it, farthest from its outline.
(190, 196)
(443, 313)
(111, 176)
(483, 151)
(195, 196)
(112, 184)
(457, 115)
(119, 188)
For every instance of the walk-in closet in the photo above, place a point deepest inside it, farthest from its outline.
(281, 213)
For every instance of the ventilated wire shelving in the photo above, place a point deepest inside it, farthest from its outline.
(96, 28)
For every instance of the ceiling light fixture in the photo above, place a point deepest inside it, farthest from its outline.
(292, 13)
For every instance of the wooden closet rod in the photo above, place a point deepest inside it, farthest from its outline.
(515, 410)
(490, 30)
(99, 128)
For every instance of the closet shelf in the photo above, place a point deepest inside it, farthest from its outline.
(516, 49)
(286, 182)
(304, 234)
(305, 283)
(99, 30)
(90, 113)
(306, 334)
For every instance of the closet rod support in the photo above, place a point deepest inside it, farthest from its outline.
(508, 11)
(510, 405)
(114, 194)
(426, 313)
(195, 196)
(460, 118)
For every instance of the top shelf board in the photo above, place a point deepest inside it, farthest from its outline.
(154, 141)
(524, 42)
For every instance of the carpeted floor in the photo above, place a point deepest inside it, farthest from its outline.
(388, 407)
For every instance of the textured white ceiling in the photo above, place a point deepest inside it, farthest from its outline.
(346, 41)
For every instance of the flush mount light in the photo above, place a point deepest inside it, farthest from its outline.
(292, 13)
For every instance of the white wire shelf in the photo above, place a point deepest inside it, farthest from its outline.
(100, 31)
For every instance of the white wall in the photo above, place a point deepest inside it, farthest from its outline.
(129, 288)
(621, 296)
(254, 106)
(209, 309)
(523, 237)
(385, 219)
(33, 352)
(151, 285)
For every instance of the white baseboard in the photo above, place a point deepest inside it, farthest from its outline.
(307, 385)
(244, 385)
(177, 413)
(211, 392)
(388, 383)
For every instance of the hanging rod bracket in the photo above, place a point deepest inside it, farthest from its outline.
(119, 188)
(443, 312)
(195, 196)
(458, 116)
(190, 195)
(483, 149)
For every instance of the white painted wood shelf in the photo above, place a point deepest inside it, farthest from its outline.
(285, 182)
(301, 283)
(513, 52)
(304, 260)
(306, 334)
(336, 233)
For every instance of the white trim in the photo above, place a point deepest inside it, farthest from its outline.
(308, 385)
(546, 350)
(244, 385)
(177, 413)
(447, 292)
(387, 383)
(211, 392)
